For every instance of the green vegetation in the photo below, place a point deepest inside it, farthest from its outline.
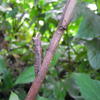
(74, 72)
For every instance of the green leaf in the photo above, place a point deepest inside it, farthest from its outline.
(13, 96)
(60, 90)
(26, 76)
(13, 13)
(98, 5)
(5, 75)
(5, 26)
(89, 28)
(41, 98)
(55, 58)
(88, 88)
(73, 89)
(94, 53)
(2, 65)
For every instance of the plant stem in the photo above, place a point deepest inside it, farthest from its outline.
(38, 54)
(66, 18)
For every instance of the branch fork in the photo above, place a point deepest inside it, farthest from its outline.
(64, 22)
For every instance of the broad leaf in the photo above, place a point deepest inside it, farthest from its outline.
(73, 89)
(13, 96)
(89, 28)
(88, 88)
(26, 76)
(94, 53)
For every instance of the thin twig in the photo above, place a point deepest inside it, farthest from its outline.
(66, 17)
(38, 53)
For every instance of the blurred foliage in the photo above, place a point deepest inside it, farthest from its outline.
(77, 56)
